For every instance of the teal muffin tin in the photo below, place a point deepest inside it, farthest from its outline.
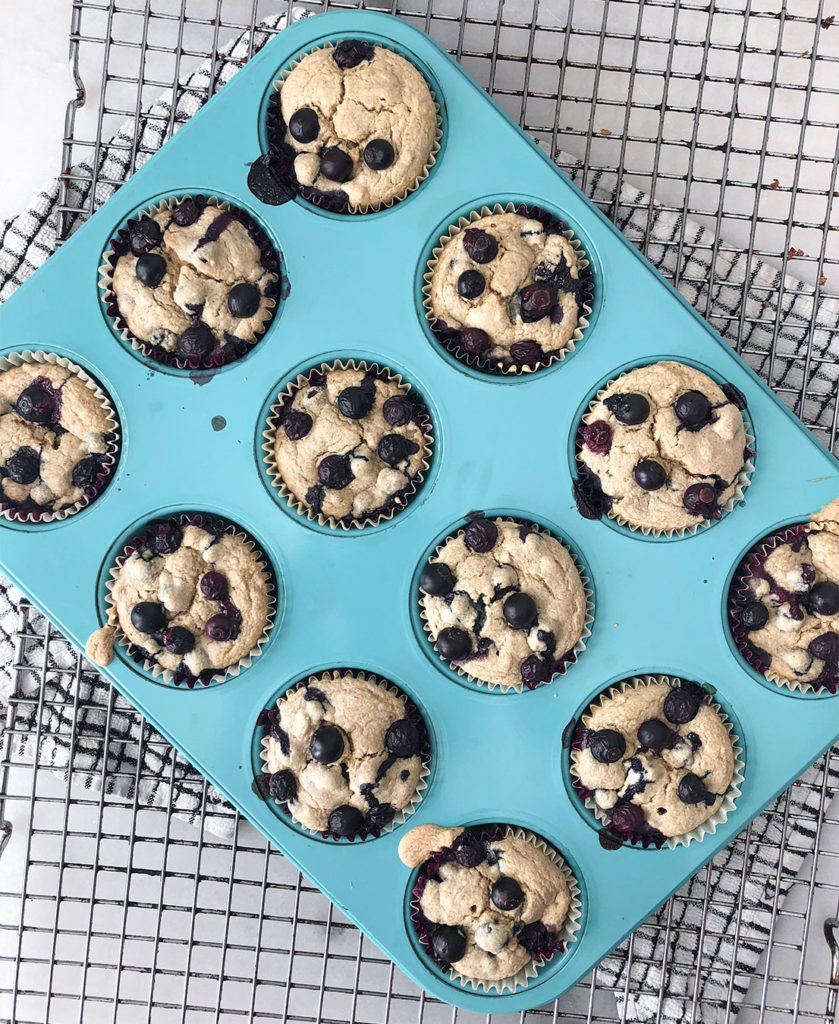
(194, 442)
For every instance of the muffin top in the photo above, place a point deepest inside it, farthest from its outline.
(490, 904)
(191, 599)
(504, 602)
(194, 281)
(344, 753)
(791, 619)
(361, 120)
(664, 445)
(656, 758)
(348, 443)
(511, 287)
(53, 437)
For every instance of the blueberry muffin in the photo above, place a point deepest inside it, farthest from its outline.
(360, 122)
(56, 440)
(657, 759)
(504, 602)
(506, 293)
(349, 443)
(194, 283)
(344, 754)
(662, 449)
(191, 597)
(490, 902)
(785, 608)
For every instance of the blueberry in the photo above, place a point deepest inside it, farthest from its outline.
(335, 164)
(825, 647)
(335, 472)
(480, 536)
(355, 402)
(213, 585)
(148, 617)
(691, 789)
(537, 301)
(692, 409)
(283, 786)
(145, 234)
(650, 475)
(630, 408)
(296, 424)
(25, 465)
(243, 300)
(346, 821)
(823, 598)
(437, 579)
(150, 269)
(534, 937)
(219, 628)
(682, 704)
(473, 340)
(397, 411)
(700, 500)
(470, 853)
(655, 735)
(534, 670)
(351, 52)
(186, 212)
(453, 643)
(380, 816)
(470, 284)
(86, 471)
(480, 245)
(379, 154)
(448, 943)
(627, 818)
(520, 611)
(196, 342)
(326, 745)
(597, 437)
(403, 738)
(557, 314)
(303, 125)
(269, 180)
(36, 405)
(165, 539)
(754, 616)
(178, 640)
(734, 395)
(607, 746)
(526, 352)
(394, 448)
(506, 893)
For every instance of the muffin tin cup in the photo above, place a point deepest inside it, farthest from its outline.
(119, 246)
(740, 591)
(111, 454)
(166, 675)
(325, 200)
(741, 483)
(568, 658)
(448, 337)
(395, 503)
(707, 827)
(403, 813)
(567, 934)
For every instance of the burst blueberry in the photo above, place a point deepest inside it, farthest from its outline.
(296, 424)
(148, 617)
(283, 786)
(395, 448)
(597, 437)
(471, 284)
(480, 245)
(607, 745)
(480, 536)
(474, 341)
(402, 738)
(186, 213)
(165, 538)
(36, 405)
(355, 402)
(346, 820)
(437, 579)
(453, 643)
(655, 735)
(150, 269)
(650, 475)
(470, 853)
(537, 301)
(682, 705)
(700, 500)
(335, 164)
(507, 894)
(303, 125)
(243, 300)
(526, 353)
(178, 640)
(534, 670)
(144, 235)
(213, 585)
(397, 411)
(196, 342)
(754, 615)
(825, 647)
(335, 472)
(520, 611)
(823, 598)
(86, 471)
(25, 466)
(380, 816)
(379, 154)
(351, 52)
(448, 943)
(627, 819)
(219, 628)
(630, 409)
(326, 745)
(691, 789)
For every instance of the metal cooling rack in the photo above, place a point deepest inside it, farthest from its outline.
(115, 910)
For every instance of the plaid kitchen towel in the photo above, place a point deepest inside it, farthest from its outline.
(752, 304)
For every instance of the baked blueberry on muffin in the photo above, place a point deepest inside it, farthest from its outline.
(662, 448)
(349, 443)
(656, 758)
(193, 282)
(57, 439)
(506, 293)
(490, 902)
(190, 596)
(784, 610)
(344, 754)
(504, 602)
(357, 123)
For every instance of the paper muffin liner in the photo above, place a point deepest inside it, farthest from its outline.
(396, 502)
(213, 524)
(741, 482)
(561, 664)
(565, 937)
(448, 336)
(740, 593)
(707, 827)
(412, 712)
(14, 513)
(283, 154)
(233, 349)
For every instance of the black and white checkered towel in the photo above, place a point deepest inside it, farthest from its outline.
(749, 303)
